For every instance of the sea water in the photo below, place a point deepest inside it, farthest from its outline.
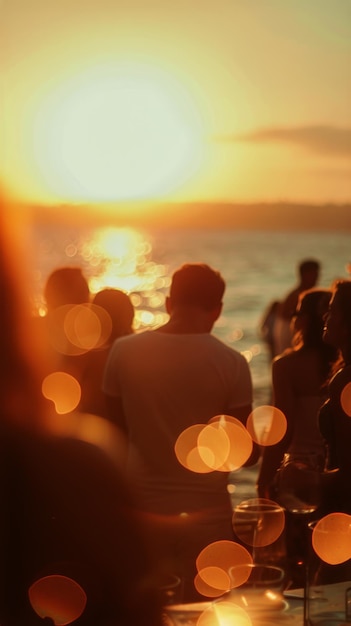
(258, 267)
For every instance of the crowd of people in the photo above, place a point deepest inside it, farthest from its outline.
(117, 529)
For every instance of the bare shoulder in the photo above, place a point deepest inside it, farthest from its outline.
(285, 360)
(292, 364)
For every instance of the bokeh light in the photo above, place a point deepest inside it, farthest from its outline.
(63, 390)
(87, 326)
(187, 451)
(58, 597)
(207, 590)
(267, 425)
(258, 522)
(331, 538)
(215, 578)
(57, 334)
(345, 399)
(239, 438)
(110, 257)
(222, 445)
(214, 445)
(213, 566)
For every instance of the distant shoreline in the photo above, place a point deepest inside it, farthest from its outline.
(263, 216)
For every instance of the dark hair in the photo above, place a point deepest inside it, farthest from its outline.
(308, 265)
(343, 289)
(66, 285)
(313, 303)
(120, 308)
(197, 284)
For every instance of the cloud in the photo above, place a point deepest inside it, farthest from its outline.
(325, 140)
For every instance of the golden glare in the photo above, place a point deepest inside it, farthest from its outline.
(116, 132)
(63, 390)
(227, 614)
(258, 522)
(331, 538)
(267, 425)
(123, 254)
(57, 597)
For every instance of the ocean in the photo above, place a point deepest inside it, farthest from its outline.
(258, 267)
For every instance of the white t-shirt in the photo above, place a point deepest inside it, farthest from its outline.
(168, 382)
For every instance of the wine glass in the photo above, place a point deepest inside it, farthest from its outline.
(299, 490)
(300, 483)
(259, 523)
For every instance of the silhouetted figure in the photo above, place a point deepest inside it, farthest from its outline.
(267, 327)
(65, 508)
(308, 271)
(65, 289)
(335, 415)
(158, 383)
(66, 285)
(120, 310)
(299, 378)
(291, 470)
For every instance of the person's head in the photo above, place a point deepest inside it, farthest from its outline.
(337, 328)
(196, 285)
(309, 273)
(120, 309)
(309, 317)
(66, 285)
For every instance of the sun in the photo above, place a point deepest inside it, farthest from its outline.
(117, 133)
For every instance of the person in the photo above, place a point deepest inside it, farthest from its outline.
(308, 271)
(65, 287)
(66, 511)
(120, 308)
(160, 382)
(120, 311)
(334, 416)
(266, 328)
(299, 378)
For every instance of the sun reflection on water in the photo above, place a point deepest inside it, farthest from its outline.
(121, 257)
(113, 257)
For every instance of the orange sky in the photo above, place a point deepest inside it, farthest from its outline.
(189, 100)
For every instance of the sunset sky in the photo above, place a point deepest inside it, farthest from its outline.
(189, 100)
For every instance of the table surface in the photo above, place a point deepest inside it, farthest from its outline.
(293, 615)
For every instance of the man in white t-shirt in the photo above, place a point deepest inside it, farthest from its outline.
(158, 383)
